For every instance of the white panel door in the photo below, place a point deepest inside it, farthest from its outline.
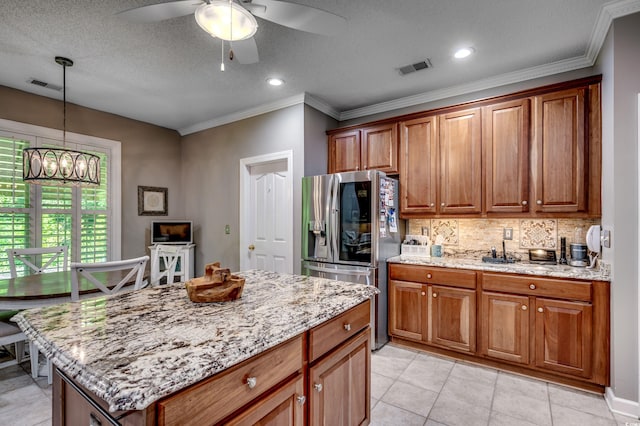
(270, 217)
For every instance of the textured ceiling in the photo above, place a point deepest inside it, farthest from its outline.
(167, 73)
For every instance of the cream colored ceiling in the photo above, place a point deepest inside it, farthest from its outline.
(168, 73)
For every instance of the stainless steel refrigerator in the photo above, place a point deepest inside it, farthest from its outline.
(350, 227)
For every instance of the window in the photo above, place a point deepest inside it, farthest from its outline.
(85, 219)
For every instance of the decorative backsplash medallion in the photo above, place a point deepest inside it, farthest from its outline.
(538, 233)
(448, 228)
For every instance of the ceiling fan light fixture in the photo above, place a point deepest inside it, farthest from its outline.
(226, 20)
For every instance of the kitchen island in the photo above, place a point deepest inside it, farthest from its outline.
(136, 356)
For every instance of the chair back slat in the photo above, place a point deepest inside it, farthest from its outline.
(169, 255)
(136, 266)
(28, 255)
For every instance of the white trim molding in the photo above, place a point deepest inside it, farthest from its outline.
(621, 406)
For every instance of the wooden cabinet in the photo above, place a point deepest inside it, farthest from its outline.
(560, 152)
(505, 327)
(506, 156)
(418, 165)
(340, 388)
(284, 407)
(460, 143)
(439, 309)
(344, 151)
(370, 148)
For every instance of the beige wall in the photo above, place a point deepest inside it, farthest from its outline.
(150, 154)
(211, 179)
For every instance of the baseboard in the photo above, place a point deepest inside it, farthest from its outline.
(621, 406)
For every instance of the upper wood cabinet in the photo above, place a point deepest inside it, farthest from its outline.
(460, 162)
(506, 156)
(369, 148)
(418, 165)
(560, 152)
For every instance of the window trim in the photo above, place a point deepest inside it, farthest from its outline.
(114, 150)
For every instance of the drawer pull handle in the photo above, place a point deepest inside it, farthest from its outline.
(524, 307)
(301, 399)
(347, 327)
(429, 276)
(532, 286)
(435, 294)
(540, 310)
(318, 387)
(252, 382)
(424, 294)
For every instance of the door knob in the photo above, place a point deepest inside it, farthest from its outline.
(252, 247)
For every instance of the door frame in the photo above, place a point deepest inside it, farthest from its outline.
(245, 193)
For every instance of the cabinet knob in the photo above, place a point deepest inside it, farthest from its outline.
(540, 309)
(524, 202)
(539, 202)
(318, 387)
(523, 307)
(424, 294)
(429, 276)
(347, 327)
(435, 294)
(251, 247)
(532, 286)
(442, 204)
(432, 204)
(301, 399)
(252, 382)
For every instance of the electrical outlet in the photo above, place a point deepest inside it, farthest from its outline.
(507, 233)
(425, 231)
(227, 229)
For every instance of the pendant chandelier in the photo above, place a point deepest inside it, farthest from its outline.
(61, 166)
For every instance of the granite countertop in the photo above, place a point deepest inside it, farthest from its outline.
(559, 271)
(133, 348)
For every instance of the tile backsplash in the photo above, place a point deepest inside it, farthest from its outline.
(479, 235)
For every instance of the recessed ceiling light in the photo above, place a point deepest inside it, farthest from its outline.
(275, 81)
(463, 53)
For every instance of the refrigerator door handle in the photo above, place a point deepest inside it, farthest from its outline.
(356, 272)
(335, 217)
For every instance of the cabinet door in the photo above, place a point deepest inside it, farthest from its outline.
(560, 152)
(340, 385)
(284, 407)
(344, 151)
(379, 148)
(564, 336)
(506, 160)
(418, 165)
(407, 310)
(452, 318)
(505, 327)
(461, 162)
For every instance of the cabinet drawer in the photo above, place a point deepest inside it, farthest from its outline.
(330, 334)
(431, 275)
(535, 286)
(213, 399)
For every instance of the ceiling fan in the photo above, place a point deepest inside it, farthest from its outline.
(234, 21)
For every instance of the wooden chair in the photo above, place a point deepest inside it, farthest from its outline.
(10, 334)
(28, 257)
(87, 270)
(169, 256)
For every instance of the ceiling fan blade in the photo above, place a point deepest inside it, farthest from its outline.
(160, 11)
(297, 16)
(245, 51)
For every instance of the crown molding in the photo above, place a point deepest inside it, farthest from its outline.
(608, 13)
(241, 115)
(321, 106)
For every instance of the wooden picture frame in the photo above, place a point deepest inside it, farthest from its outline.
(152, 201)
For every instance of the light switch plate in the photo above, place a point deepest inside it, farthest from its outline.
(507, 233)
(425, 231)
(606, 238)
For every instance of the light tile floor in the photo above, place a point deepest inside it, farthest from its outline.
(407, 388)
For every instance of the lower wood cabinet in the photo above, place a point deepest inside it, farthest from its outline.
(340, 388)
(556, 329)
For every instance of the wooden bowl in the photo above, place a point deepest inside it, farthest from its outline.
(202, 290)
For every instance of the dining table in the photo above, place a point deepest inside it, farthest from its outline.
(52, 288)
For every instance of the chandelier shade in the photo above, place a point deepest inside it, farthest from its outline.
(60, 166)
(226, 20)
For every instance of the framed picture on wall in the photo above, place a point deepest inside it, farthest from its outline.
(152, 201)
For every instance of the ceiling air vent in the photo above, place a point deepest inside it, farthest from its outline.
(44, 84)
(408, 69)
